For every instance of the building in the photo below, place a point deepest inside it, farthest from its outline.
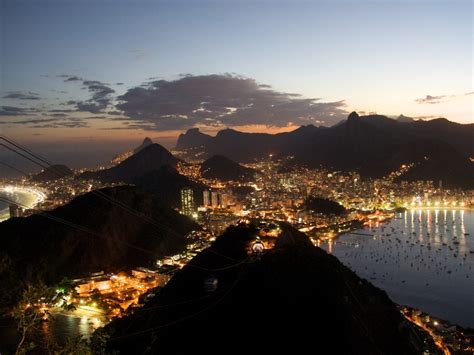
(15, 211)
(187, 201)
(214, 199)
(224, 200)
(206, 198)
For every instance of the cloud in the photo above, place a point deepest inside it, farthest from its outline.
(20, 95)
(60, 111)
(69, 77)
(429, 99)
(101, 94)
(56, 122)
(222, 100)
(137, 53)
(101, 97)
(16, 111)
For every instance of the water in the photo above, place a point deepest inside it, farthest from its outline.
(3, 207)
(421, 258)
(20, 196)
(56, 331)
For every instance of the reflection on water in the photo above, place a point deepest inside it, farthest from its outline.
(22, 197)
(422, 258)
(67, 326)
(55, 331)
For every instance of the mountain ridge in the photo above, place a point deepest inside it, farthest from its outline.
(224, 169)
(368, 144)
(149, 158)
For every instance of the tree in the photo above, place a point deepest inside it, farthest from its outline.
(32, 308)
(96, 345)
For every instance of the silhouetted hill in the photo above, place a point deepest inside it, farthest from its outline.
(122, 156)
(324, 206)
(166, 183)
(405, 119)
(150, 158)
(146, 142)
(293, 299)
(370, 145)
(437, 161)
(53, 172)
(221, 168)
(106, 237)
(193, 138)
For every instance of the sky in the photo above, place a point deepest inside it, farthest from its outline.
(96, 72)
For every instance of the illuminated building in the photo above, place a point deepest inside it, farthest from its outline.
(214, 199)
(224, 200)
(187, 201)
(206, 198)
(15, 211)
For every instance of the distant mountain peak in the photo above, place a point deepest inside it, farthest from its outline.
(353, 116)
(146, 142)
(53, 172)
(405, 119)
(222, 168)
(154, 148)
(193, 138)
(149, 158)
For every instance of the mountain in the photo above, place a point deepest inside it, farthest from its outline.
(166, 183)
(150, 158)
(193, 138)
(146, 142)
(293, 299)
(324, 206)
(437, 161)
(373, 145)
(53, 172)
(106, 237)
(221, 168)
(122, 156)
(405, 119)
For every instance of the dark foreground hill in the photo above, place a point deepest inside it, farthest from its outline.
(106, 237)
(294, 299)
(53, 172)
(151, 157)
(221, 168)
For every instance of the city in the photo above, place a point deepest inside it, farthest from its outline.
(236, 177)
(266, 202)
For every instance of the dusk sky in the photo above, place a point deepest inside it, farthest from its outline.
(118, 71)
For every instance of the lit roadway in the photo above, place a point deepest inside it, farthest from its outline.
(437, 339)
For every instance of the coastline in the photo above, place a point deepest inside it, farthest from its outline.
(26, 197)
(441, 208)
(353, 238)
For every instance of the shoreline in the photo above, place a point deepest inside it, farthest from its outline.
(30, 197)
(366, 230)
(441, 208)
